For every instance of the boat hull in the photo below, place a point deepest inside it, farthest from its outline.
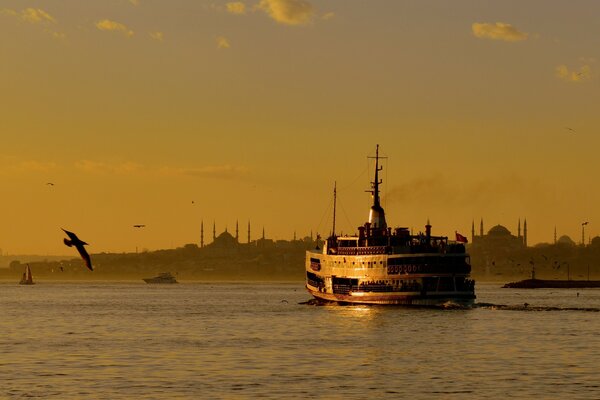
(403, 279)
(159, 282)
(465, 299)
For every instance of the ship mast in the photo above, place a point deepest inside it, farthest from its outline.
(334, 204)
(377, 181)
(377, 215)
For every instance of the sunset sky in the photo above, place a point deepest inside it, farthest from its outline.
(167, 113)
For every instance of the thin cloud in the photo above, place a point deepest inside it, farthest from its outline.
(158, 36)
(132, 168)
(36, 15)
(288, 12)
(9, 12)
(12, 166)
(223, 43)
(576, 75)
(236, 7)
(327, 16)
(102, 168)
(108, 25)
(212, 171)
(498, 31)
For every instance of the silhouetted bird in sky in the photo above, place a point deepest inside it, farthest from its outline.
(78, 243)
(139, 226)
(570, 129)
(50, 184)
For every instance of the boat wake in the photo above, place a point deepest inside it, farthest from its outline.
(529, 307)
(449, 305)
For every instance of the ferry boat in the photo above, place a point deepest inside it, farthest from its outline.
(385, 265)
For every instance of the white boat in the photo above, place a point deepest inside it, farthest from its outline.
(381, 265)
(27, 278)
(163, 277)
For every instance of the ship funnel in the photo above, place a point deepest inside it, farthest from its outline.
(377, 217)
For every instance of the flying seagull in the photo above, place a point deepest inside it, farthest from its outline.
(78, 243)
(139, 226)
(50, 184)
(570, 129)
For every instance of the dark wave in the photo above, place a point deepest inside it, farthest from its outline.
(529, 307)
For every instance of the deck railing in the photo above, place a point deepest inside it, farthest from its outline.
(359, 251)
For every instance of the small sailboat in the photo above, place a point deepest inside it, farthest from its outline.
(27, 279)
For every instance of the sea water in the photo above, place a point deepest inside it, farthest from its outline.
(254, 340)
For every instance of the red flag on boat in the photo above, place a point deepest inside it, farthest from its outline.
(460, 238)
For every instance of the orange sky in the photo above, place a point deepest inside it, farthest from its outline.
(252, 109)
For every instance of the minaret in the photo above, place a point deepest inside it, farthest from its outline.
(201, 233)
(377, 215)
(554, 234)
(519, 229)
(214, 231)
(237, 232)
(472, 231)
(248, 231)
(525, 232)
(263, 236)
(481, 227)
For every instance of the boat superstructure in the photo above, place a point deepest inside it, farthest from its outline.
(385, 265)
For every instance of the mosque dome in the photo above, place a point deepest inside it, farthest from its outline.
(499, 230)
(225, 239)
(564, 239)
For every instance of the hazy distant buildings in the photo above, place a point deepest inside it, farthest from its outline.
(499, 237)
